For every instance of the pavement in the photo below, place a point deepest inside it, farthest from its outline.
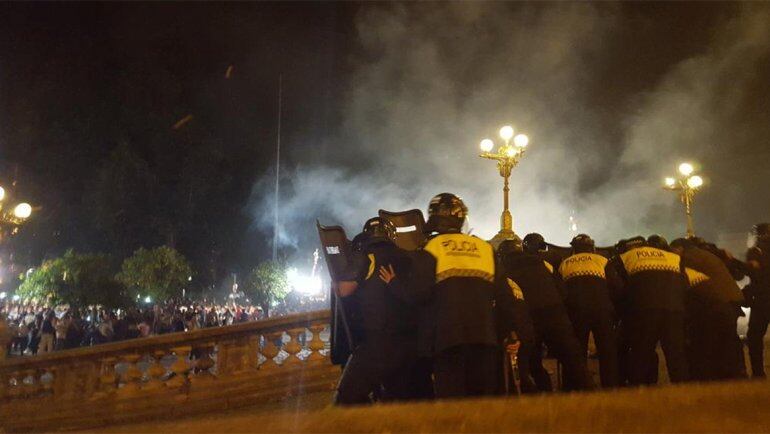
(723, 407)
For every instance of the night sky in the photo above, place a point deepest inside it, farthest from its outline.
(383, 106)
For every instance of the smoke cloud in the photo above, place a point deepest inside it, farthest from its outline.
(605, 125)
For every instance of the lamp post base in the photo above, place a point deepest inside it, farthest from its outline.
(502, 236)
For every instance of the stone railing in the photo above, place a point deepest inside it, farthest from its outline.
(168, 375)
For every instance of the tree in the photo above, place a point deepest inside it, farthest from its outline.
(267, 284)
(161, 272)
(76, 279)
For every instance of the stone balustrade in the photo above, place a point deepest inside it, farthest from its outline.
(168, 375)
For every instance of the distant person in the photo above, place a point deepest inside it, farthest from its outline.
(757, 295)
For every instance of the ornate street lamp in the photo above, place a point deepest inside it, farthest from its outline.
(11, 220)
(687, 185)
(507, 157)
(9, 225)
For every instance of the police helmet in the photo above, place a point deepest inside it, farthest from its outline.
(583, 243)
(446, 213)
(380, 229)
(683, 243)
(509, 248)
(632, 243)
(658, 242)
(534, 243)
(761, 231)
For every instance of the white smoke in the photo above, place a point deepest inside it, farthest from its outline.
(431, 81)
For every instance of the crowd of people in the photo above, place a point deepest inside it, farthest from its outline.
(37, 329)
(438, 320)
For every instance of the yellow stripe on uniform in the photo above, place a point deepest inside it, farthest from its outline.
(517, 292)
(583, 264)
(695, 277)
(548, 266)
(650, 259)
(372, 265)
(460, 255)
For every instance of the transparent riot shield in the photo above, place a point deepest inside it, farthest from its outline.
(410, 227)
(338, 256)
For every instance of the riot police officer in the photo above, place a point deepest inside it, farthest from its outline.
(654, 285)
(454, 274)
(589, 304)
(514, 322)
(714, 349)
(386, 347)
(757, 295)
(532, 276)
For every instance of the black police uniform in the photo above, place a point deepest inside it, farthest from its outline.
(534, 277)
(387, 344)
(714, 349)
(591, 310)
(654, 285)
(454, 275)
(512, 315)
(758, 298)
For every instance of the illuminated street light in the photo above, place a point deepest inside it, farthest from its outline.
(10, 221)
(687, 185)
(507, 156)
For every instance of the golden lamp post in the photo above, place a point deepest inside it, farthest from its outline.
(687, 185)
(507, 156)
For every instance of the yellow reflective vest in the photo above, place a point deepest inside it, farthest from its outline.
(460, 255)
(583, 264)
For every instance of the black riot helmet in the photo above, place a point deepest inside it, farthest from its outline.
(379, 229)
(534, 243)
(762, 232)
(509, 248)
(633, 243)
(658, 242)
(582, 243)
(447, 213)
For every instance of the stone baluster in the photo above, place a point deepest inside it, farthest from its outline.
(293, 347)
(270, 351)
(252, 354)
(30, 382)
(15, 386)
(46, 386)
(316, 345)
(180, 368)
(107, 380)
(156, 371)
(132, 377)
(203, 364)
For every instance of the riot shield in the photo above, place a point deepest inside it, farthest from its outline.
(337, 254)
(410, 227)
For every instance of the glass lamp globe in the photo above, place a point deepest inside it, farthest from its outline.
(670, 182)
(695, 181)
(506, 132)
(686, 169)
(22, 210)
(521, 140)
(486, 145)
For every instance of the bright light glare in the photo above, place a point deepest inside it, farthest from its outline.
(511, 152)
(521, 140)
(15, 298)
(22, 210)
(486, 145)
(670, 182)
(2, 193)
(506, 132)
(695, 181)
(148, 299)
(686, 169)
(304, 284)
(2, 295)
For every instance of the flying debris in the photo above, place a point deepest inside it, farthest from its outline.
(181, 122)
(229, 71)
